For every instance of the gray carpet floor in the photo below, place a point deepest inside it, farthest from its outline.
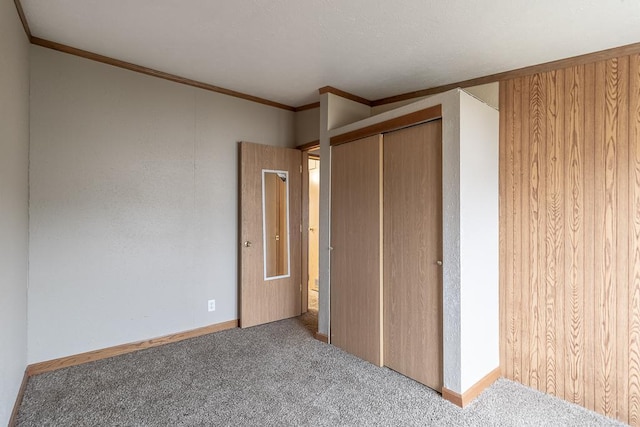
(273, 375)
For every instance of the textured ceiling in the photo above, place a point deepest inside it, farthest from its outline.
(284, 50)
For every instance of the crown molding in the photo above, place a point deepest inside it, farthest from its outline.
(152, 72)
(23, 18)
(308, 106)
(138, 68)
(573, 61)
(343, 94)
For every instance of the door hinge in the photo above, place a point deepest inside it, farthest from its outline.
(300, 287)
(300, 168)
(301, 228)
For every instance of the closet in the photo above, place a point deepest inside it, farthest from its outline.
(386, 228)
(414, 241)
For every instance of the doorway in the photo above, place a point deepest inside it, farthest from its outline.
(310, 237)
(314, 221)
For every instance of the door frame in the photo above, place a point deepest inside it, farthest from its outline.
(304, 256)
(305, 148)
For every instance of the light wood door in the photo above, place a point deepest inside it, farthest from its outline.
(412, 251)
(356, 241)
(263, 301)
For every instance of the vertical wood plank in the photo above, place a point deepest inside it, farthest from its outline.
(606, 129)
(574, 256)
(516, 252)
(540, 123)
(553, 238)
(589, 230)
(525, 233)
(633, 302)
(608, 295)
(509, 230)
(502, 224)
(600, 364)
(559, 236)
(534, 228)
(621, 262)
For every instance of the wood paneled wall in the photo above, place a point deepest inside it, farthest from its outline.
(570, 234)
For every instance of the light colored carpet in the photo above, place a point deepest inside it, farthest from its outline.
(271, 375)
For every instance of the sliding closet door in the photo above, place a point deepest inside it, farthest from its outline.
(413, 252)
(356, 242)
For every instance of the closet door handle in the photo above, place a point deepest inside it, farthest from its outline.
(439, 263)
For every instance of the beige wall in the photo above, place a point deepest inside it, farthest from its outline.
(307, 126)
(392, 106)
(14, 196)
(487, 93)
(343, 111)
(133, 203)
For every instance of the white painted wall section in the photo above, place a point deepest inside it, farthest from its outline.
(479, 127)
(451, 240)
(133, 203)
(487, 93)
(14, 205)
(324, 256)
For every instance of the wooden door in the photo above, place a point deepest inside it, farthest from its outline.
(412, 252)
(356, 241)
(267, 300)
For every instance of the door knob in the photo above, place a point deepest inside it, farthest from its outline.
(247, 244)
(439, 263)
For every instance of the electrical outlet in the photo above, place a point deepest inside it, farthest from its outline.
(212, 305)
